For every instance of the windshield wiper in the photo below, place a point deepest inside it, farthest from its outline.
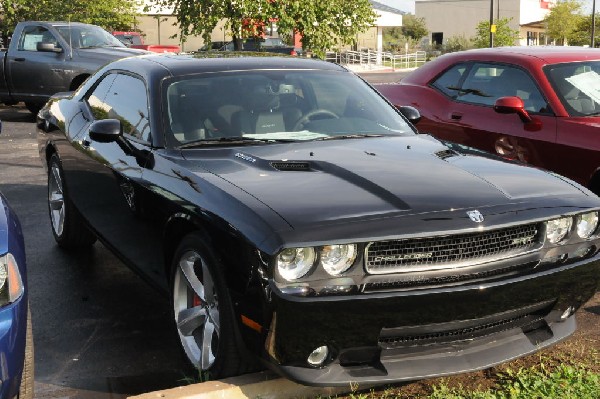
(462, 92)
(233, 140)
(350, 136)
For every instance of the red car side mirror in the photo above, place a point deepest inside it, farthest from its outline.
(514, 105)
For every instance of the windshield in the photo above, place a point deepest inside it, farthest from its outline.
(128, 39)
(275, 106)
(88, 36)
(577, 84)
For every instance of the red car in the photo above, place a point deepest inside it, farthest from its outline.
(540, 105)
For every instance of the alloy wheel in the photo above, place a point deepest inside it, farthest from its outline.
(56, 200)
(196, 309)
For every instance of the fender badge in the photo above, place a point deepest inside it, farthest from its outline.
(475, 216)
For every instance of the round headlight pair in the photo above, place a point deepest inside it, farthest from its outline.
(293, 263)
(557, 229)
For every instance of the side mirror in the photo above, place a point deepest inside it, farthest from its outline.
(48, 48)
(111, 131)
(106, 130)
(514, 105)
(410, 113)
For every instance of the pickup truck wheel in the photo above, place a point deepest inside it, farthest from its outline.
(26, 388)
(34, 108)
(68, 227)
(202, 310)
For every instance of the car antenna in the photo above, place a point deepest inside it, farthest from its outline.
(70, 40)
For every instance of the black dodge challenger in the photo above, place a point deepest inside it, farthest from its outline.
(296, 218)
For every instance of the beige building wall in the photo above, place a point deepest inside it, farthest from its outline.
(158, 29)
(461, 17)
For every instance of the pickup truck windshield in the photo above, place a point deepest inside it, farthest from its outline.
(88, 36)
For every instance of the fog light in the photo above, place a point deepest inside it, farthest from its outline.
(565, 314)
(318, 356)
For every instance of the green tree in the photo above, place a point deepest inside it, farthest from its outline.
(562, 20)
(457, 43)
(109, 14)
(201, 17)
(323, 24)
(581, 35)
(504, 36)
(414, 27)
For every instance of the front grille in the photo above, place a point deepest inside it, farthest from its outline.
(528, 318)
(450, 251)
(458, 335)
(387, 283)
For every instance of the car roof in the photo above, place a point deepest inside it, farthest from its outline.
(185, 64)
(546, 54)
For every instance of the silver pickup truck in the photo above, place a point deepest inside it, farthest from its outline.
(44, 58)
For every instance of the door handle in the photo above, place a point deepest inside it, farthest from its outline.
(456, 116)
(20, 59)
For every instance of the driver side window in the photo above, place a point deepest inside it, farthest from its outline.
(32, 35)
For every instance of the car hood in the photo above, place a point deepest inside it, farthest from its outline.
(313, 182)
(108, 54)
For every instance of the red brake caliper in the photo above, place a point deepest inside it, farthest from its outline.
(196, 301)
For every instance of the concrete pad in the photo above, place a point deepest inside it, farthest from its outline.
(263, 385)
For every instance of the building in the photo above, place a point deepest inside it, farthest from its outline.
(451, 18)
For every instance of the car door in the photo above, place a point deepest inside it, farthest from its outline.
(33, 73)
(468, 115)
(105, 180)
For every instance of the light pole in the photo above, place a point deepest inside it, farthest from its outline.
(492, 22)
(593, 24)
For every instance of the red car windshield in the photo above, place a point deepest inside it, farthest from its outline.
(577, 84)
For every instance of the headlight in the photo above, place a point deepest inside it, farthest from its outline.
(11, 284)
(586, 224)
(293, 263)
(336, 259)
(557, 229)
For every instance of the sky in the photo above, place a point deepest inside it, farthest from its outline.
(402, 5)
(409, 5)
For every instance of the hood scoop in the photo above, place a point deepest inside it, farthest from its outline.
(445, 154)
(286, 166)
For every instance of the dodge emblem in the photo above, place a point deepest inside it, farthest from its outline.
(475, 216)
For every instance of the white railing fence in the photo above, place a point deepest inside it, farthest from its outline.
(368, 58)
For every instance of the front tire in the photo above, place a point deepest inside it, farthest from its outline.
(68, 228)
(202, 310)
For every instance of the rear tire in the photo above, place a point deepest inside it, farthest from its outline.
(26, 388)
(203, 312)
(68, 228)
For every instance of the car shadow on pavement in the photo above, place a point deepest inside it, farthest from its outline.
(16, 113)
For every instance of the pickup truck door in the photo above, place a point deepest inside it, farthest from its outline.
(35, 74)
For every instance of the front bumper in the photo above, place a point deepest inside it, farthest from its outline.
(397, 336)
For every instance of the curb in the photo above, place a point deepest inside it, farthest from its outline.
(263, 385)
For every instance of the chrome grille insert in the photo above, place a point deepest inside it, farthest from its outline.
(433, 253)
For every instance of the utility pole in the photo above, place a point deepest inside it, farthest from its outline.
(592, 45)
(492, 23)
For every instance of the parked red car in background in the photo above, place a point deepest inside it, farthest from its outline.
(134, 40)
(553, 94)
